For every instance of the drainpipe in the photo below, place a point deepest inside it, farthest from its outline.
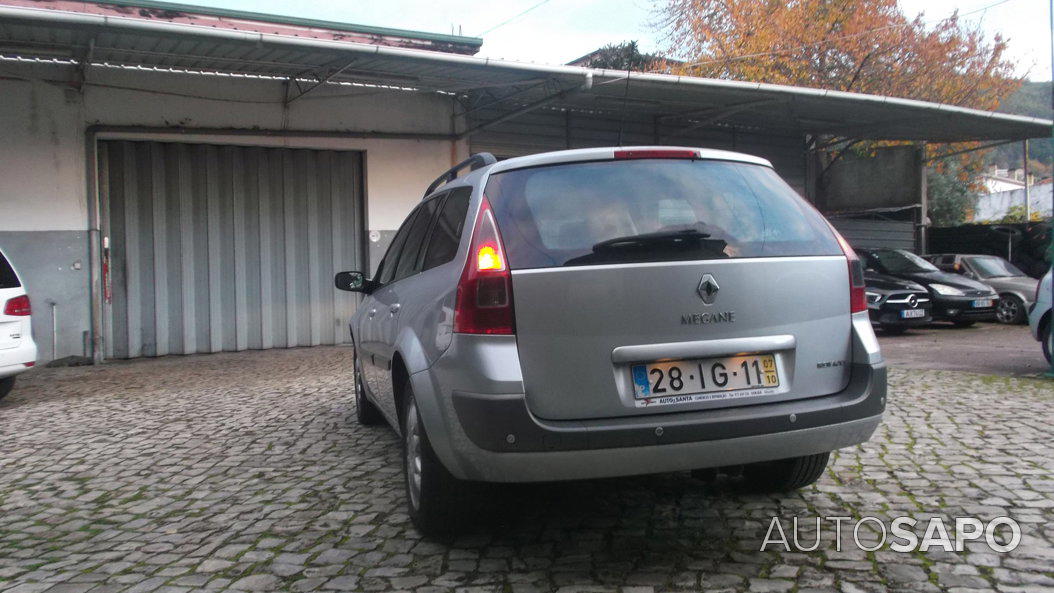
(1050, 250)
(54, 328)
(1028, 202)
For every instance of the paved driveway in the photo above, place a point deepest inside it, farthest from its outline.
(246, 471)
(989, 348)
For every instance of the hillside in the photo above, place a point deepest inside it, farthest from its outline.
(1032, 99)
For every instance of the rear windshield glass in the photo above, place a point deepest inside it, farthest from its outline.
(898, 261)
(7, 275)
(652, 210)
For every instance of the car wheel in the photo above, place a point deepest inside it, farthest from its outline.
(1011, 310)
(784, 475)
(439, 503)
(893, 330)
(964, 323)
(365, 412)
(1044, 336)
(6, 385)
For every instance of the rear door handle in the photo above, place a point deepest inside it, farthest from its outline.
(394, 309)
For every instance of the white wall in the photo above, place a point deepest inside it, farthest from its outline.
(42, 156)
(992, 207)
(42, 182)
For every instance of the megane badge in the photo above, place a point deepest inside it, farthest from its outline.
(708, 288)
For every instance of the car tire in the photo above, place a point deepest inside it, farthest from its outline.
(784, 475)
(964, 323)
(893, 330)
(438, 503)
(6, 385)
(1044, 338)
(365, 412)
(1011, 310)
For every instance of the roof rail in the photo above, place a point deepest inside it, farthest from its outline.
(480, 159)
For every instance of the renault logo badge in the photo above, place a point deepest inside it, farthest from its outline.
(708, 288)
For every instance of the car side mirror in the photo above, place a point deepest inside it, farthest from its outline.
(353, 282)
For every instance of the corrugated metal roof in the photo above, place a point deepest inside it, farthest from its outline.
(290, 20)
(512, 86)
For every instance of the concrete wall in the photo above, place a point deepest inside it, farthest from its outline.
(993, 207)
(891, 178)
(43, 179)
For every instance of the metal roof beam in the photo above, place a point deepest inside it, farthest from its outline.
(721, 114)
(321, 81)
(585, 86)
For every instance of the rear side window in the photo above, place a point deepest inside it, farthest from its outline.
(7, 274)
(387, 267)
(652, 210)
(414, 240)
(446, 234)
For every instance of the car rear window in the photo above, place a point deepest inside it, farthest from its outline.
(7, 275)
(652, 210)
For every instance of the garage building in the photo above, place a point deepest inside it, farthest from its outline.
(178, 180)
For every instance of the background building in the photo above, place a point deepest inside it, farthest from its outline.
(180, 180)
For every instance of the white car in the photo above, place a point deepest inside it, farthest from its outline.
(1039, 316)
(18, 352)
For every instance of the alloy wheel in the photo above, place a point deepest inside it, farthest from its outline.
(1007, 311)
(413, 457)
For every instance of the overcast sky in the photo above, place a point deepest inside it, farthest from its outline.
(557, 31)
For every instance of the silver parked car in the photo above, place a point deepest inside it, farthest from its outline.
(1016, 289)
(1039, 316)
(610, 312)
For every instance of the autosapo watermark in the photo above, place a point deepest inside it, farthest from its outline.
(1001, 534)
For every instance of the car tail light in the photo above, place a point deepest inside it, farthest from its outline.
(484, 293)
(29, 364)
(656, 154)
(857, 296)
(18, 306)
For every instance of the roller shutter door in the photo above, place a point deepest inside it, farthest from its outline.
(221, 248)
(892, 234)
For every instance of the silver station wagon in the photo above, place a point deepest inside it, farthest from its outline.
(609, 312)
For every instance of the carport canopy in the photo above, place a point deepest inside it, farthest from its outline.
(85, 40)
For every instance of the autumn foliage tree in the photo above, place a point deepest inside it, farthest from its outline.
(865, 46)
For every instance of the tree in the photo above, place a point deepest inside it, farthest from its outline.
(1017, 214)
(618, 56)
(950, 200)
(867, 46)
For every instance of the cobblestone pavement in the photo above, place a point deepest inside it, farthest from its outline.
(247, 472)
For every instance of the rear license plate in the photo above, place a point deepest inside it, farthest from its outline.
(912, 313)
(982, 303)
(705, 379)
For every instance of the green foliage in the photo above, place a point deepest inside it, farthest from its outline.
(951, 202)
(620, 56)
(1017, 214)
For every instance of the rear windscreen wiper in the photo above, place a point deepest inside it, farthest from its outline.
(686, 237)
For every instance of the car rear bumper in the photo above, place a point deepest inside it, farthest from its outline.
(495, 438)
(13, 360)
